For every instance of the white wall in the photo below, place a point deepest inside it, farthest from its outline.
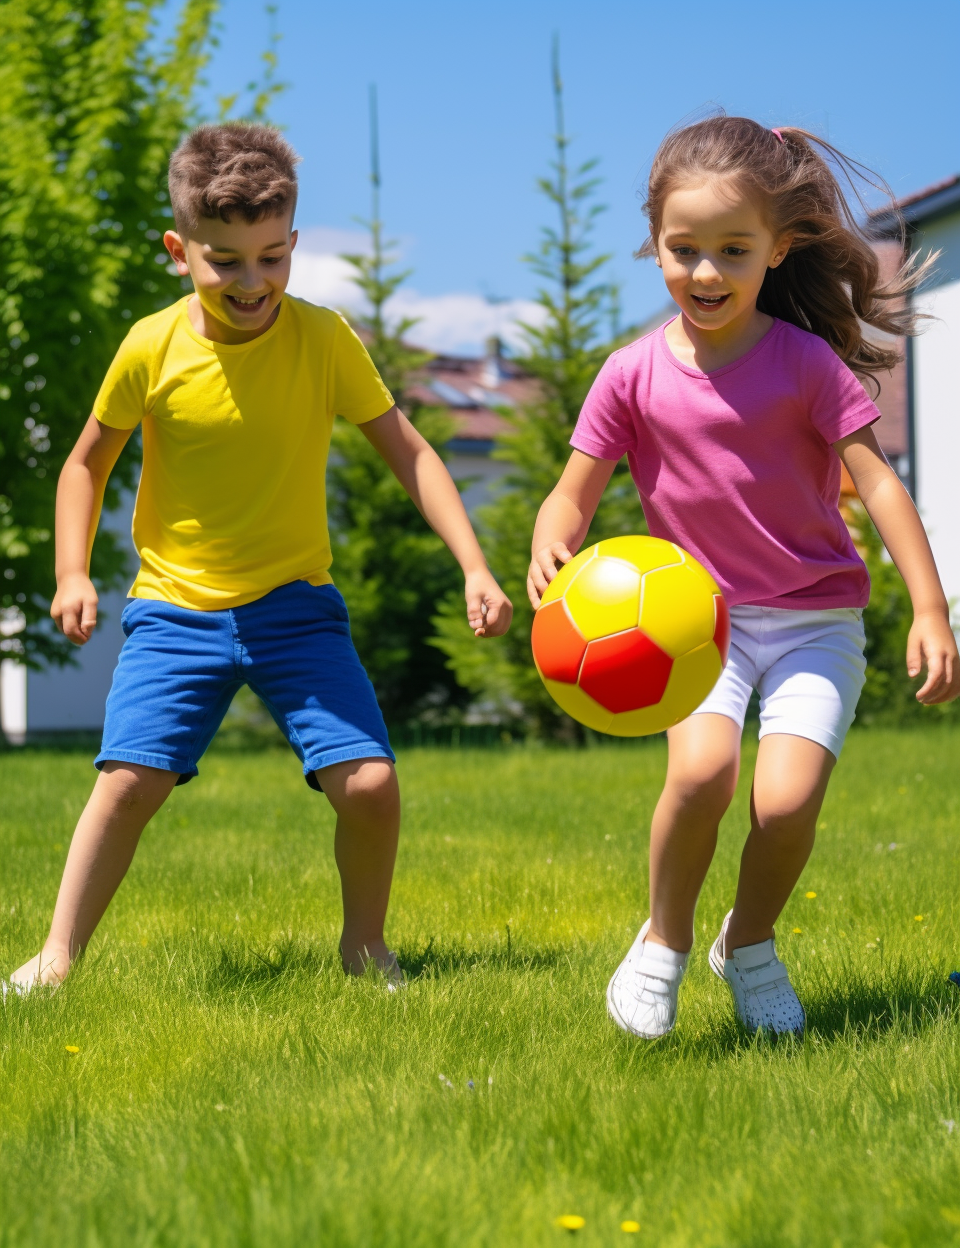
(937, 417)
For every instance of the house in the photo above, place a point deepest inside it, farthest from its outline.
(932, 397)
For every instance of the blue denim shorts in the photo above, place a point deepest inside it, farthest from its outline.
(179, 670)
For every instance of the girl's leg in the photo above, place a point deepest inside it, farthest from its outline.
(788, 790)
(124, 800)
(702, 771)
(366, 797)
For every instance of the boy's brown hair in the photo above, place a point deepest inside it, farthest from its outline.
(232, 169)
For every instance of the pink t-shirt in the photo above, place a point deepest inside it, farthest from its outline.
(737, 466)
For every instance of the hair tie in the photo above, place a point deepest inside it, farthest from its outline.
(779, 135)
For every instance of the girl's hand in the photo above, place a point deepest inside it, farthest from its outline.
(543, 568)
(74, 608)
(489, 610)
(931, 643)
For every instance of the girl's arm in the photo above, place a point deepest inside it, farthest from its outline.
(891, 509)
(424, 476)
(79, 498)
(564, 518)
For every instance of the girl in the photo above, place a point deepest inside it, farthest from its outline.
(735, 417)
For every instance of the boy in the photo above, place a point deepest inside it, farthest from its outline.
(237, 387)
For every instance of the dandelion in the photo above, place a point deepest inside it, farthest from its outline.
(810, 896)
(798, 931)
(72, 1048)
(570, 1222)
(918, 918)
(630, 1227)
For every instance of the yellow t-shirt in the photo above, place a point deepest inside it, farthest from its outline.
(232, 498)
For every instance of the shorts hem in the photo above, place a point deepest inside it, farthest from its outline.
(163, 762)
(739, 720)
(821, 736)
(327, 758)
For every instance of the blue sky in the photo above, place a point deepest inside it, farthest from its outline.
(466, 120)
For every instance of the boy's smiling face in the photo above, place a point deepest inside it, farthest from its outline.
(239, 271)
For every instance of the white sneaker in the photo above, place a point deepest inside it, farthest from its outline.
(14, 990)
(642, 995)
(762, 993)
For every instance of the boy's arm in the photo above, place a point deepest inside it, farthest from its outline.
(564, 518)
(891, 509)
(422, 473)
(79, 498)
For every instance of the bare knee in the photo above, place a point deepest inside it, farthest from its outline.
(785, 823)
(365, 790)
(127, 786)
(706, 787)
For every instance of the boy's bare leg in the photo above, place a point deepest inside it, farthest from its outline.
(702, 770)
(788, 790)
(366, 797)
(124, 800)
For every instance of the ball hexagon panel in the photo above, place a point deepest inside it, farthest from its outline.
(692, 676)
(645, 553)
(575, 702)
(604, 597)
(625, 672)
(561, 582)
(677, 608)
(557, 646)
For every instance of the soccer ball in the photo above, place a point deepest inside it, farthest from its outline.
(631, 636)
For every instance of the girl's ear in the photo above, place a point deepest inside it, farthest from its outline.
(781, 251)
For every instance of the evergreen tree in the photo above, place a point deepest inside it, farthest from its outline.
(564, 352)
(90, 109)
(391, 567)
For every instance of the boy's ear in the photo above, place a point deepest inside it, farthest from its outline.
(178, 253)
(293, 238)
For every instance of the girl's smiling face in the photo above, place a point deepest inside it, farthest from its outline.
(714, 249)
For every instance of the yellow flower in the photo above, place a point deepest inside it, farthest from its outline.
(570, 1221)
(798, 931)
(630, 1227)
(73, 1048)
(810, 896)
(918, 918)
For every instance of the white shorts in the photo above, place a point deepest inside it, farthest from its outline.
(807, 666)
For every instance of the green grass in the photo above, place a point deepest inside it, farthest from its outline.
(232, 1089)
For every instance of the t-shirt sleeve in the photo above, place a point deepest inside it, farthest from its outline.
(605, 426)
(359, 394)
(122, 400)
(838, 403)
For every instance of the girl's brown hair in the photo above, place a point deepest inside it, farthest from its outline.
(829, 283)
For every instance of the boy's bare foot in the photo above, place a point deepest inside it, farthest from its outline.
(46, 969)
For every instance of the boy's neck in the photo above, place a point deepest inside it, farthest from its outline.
(211, 327)
(710, 349)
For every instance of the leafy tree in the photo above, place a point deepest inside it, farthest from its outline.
(888, 696)
(391, 567)
(564, 352)
(90, 108)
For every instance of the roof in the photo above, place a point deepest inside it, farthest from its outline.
(920, 207)
(476, 391)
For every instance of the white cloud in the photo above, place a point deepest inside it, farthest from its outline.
(457, 322)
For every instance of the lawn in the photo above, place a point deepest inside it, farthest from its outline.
(231, 1088)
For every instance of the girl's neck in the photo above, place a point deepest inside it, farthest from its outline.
(710, 349)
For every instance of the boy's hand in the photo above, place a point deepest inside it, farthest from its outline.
(74, 608)
(931, 643)
(543, 568)
(489, 610)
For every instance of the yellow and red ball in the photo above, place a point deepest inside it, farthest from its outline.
(631, 636)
